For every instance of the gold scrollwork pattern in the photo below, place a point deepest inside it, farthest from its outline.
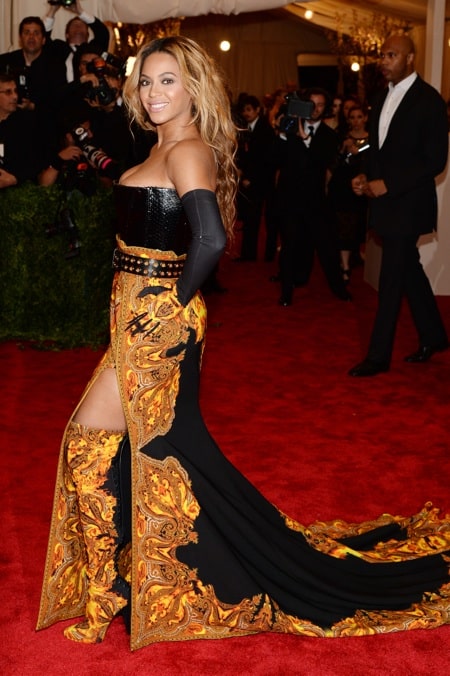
(171, 602)
(427, 534)
(153, 349)
(86, 460)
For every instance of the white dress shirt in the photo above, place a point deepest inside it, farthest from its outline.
(391, 103)
(49, 22)
(310, 129)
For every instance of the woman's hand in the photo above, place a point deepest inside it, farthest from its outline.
(165, 305)
(349, 146)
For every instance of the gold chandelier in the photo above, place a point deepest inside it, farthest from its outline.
(364, 36)
(130, 37)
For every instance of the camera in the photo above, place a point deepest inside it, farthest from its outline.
(79, 175)
(97, 158)
(20, 77)
(22, 87)
(116, 64)
(295, 108)
(63, 3)
(103, 93)
(298, 107)
(65, 224)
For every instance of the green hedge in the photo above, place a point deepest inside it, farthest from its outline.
(46, 295)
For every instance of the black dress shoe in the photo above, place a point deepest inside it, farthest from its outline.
(368, 367)
(424, 353)
(343, 294)
(285, 301)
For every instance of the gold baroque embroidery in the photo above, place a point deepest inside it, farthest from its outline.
(171, 602)
(154, 349)
(427, 534)
(66, 590)
(65, 585)
(89, 457)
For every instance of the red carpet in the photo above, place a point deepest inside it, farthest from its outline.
(277, 399)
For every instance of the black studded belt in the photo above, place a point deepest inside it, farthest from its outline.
(148, 267)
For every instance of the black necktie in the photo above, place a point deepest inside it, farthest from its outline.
(311, 130)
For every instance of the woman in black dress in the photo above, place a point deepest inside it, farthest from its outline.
(203, 554)
(350, 210)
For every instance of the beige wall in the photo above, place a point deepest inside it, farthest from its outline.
(264, 49)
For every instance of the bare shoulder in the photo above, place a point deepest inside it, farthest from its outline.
(191, 165)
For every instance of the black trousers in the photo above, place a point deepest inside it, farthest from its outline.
(402, 275)
(302, 234)
(250, 210)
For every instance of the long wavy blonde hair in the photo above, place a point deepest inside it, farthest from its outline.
(210, 109)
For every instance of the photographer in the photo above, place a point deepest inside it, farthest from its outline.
(19, 137)
(76, 32)
(306, 149)
(257, 177)
(111, 126)
(39, 77)
(79, 92)
(78, 163)
(98, 89)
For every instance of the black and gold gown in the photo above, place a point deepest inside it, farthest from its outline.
(209, 556)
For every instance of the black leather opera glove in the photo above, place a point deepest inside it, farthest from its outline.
(207, 244)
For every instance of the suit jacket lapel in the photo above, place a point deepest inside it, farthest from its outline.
(403, 107)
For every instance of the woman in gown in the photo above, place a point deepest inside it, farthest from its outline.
(349, 209)
(200, 553)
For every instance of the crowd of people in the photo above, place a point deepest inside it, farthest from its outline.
(295, 170)
(62, 118)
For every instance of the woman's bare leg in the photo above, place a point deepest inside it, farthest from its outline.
(102, 406)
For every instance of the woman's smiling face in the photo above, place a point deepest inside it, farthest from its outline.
(161, 90)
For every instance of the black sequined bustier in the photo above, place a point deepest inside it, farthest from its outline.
(151, 217)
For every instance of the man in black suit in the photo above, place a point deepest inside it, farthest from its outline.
(77, 33)
(39, 78)
(306, 151)
(20, 152)
(408, 149)
(254, 160)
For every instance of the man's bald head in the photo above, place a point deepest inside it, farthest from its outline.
(397, 58)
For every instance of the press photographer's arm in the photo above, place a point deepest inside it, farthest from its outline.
(7, 179)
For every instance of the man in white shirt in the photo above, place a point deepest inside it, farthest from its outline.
(408, 149)
(77, 33)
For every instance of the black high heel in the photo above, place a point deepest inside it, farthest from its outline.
(346, 272)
